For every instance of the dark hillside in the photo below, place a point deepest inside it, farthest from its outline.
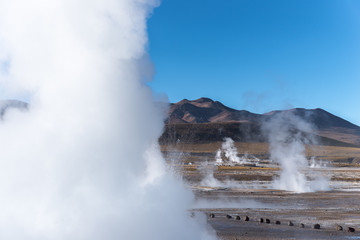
(205, 120)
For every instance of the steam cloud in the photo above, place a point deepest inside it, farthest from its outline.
(288, 134)
(83, 162)
(230, 153)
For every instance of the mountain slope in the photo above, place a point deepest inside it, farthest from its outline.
(205, 110)
(330, 128)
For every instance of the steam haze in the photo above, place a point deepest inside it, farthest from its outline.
(82, 163)
(288, 135)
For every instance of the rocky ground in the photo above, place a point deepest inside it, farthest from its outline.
(290, 215)
(229, 194)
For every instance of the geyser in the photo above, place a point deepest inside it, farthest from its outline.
(83, 162)
(230, 153)
(288, 135)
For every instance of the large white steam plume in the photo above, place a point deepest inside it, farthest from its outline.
(83, 162)
(288, 135)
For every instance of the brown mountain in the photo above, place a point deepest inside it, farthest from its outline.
(205, 120)
(205, 110)
(327, 124)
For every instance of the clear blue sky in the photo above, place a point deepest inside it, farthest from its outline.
(259, 55)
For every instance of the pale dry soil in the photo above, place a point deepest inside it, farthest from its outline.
(252, 194)
(329, 209)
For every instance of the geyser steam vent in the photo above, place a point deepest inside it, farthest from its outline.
(82, 163)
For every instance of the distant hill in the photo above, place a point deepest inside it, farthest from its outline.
(328, 125)
(205, 110)
(205, 120)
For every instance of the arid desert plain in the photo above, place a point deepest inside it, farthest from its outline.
(241, 201)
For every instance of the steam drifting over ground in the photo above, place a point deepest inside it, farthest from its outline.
(230, 153)
(288, 134)
(227, 155)
(82, 163)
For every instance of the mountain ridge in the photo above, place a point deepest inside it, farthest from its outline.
(206, 110)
